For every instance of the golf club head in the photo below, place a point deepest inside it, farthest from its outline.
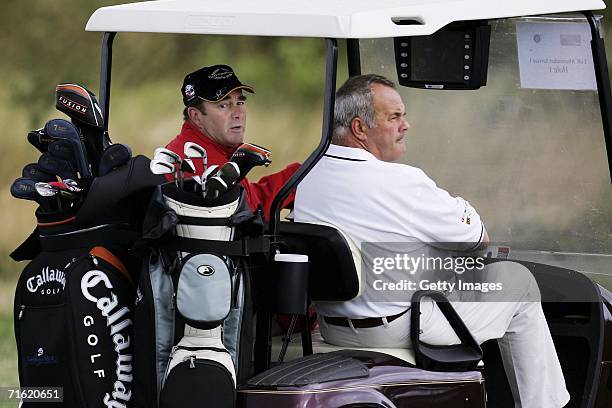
(187, 166)
(223, 180)
(39, 139)
(194, 151)
(161, 153)
(32, 171)
(114, 156)
(161, 167)
(214, 185)
(79, 104)
(67, 185)
(59, 167)
(248, 156)
(211, 171)
(46, 190)
(229, 172)
(62, 192)
(25, 189)
(62, 129)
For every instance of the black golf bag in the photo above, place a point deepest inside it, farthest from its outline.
(194, 330)
(74, 300)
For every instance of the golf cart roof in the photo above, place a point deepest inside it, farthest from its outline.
(316, 18)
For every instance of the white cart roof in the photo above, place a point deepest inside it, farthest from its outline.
(315, 18)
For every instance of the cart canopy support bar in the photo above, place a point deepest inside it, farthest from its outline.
(603, 83)
(105, 76)
(328, 122)
(264, 318)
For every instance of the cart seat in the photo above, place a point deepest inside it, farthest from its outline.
(294, 351)
(335, 275)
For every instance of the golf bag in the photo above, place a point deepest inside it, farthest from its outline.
(193, 331)
(74, 301)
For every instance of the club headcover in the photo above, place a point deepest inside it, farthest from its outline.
(79, 104)
(114, 156)
(32, 171)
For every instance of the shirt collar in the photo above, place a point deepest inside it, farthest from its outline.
(354, 153)
(189, 128)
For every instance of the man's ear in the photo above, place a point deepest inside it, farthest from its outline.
(359, 127)
(192, 113)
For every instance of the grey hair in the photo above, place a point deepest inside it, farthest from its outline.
(354, 99)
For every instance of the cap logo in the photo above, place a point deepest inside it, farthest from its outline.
(220, 93)
(221, 73)
(189, 91)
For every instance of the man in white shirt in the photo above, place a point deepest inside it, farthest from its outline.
(357, 188)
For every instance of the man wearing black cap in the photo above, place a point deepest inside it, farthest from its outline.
(215, 118)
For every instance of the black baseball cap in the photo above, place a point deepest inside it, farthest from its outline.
(211, 84)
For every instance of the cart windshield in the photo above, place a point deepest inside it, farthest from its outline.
(527, 150)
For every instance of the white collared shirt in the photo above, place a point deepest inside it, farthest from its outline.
(371, 200)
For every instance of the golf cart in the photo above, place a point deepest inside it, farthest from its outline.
(523, 92)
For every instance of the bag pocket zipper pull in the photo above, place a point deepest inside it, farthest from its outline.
(191, 359)
(22, 308)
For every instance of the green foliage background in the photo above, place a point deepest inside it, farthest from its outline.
(43, 43)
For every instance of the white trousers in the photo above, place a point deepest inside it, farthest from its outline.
(526, 346)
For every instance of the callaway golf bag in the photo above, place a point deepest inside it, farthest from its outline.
(74, 300)
(194, 328)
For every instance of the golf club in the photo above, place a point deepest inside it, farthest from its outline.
(114, 156)
(211, 171)
(163, 154)
(67, 150)
(223, 180)
(32, 171)
(195, 151)
(47, 190)
(25, 189)
(39, 139)
(161, 167)
(67, 190)
(82, 107)
(59, 167)
(62, 129)
(248, 156)
(187, 166)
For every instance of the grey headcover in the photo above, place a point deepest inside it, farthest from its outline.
(204, 292)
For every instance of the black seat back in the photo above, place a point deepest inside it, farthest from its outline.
(333, 275)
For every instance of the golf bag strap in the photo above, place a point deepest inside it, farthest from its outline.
(207, 222)
(109, 257)
(28, 248)
(243, 247)
(88, 238)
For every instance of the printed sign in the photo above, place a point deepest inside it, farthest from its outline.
(555, 56)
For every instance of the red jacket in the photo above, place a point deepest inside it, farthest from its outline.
(260, 193)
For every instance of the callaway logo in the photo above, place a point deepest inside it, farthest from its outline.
(189, 91)
(206, 270)
(221, 73)
(118, 318)
(72, 105)
(46, 277)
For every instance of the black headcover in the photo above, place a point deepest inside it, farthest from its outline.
(82, 107)
(79, 104)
